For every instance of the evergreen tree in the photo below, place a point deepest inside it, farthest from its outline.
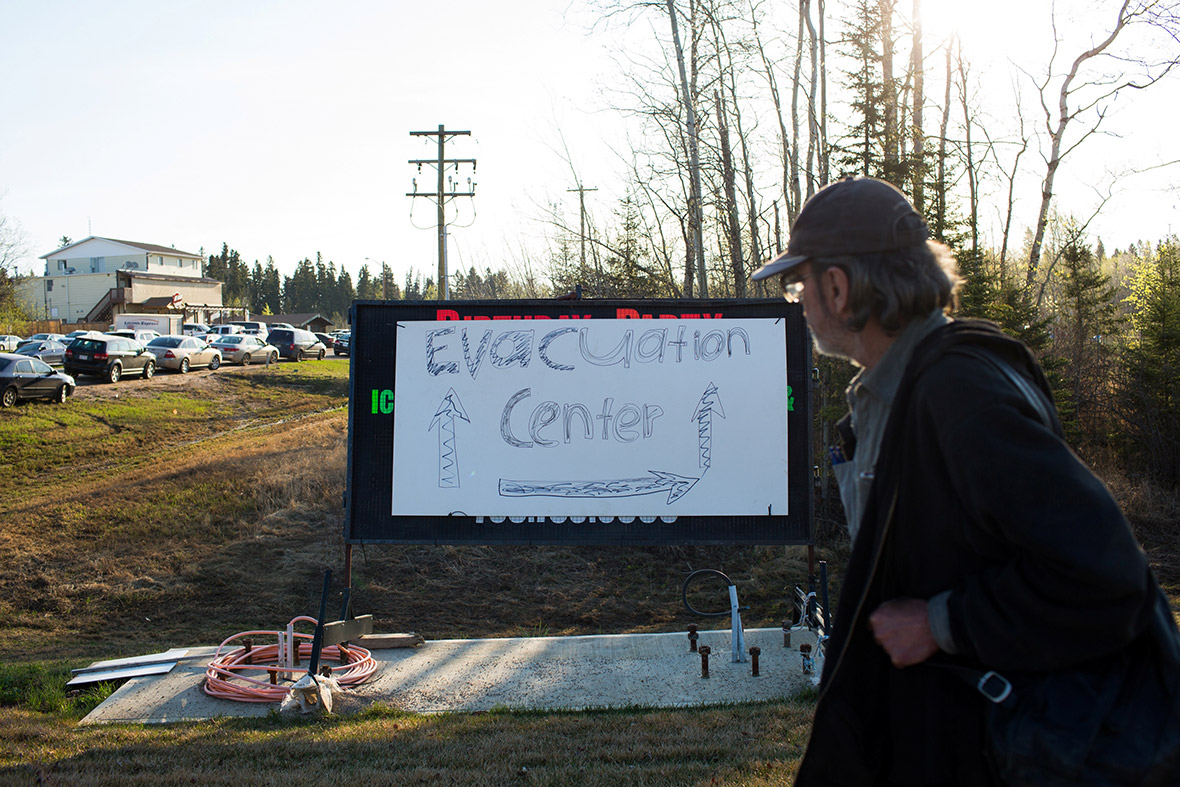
(367, 288)
(862, 152)
(299, 290)
(1147, 398)
(257, 282)
(1087, 325)
(626, 274)
(271, 293)
(344, 296)
(234, 274)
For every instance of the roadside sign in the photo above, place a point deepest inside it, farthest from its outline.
(593, 422)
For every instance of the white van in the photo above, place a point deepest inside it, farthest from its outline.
(253, 327)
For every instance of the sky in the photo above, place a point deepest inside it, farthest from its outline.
(282, 127)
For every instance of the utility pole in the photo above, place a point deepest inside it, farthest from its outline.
(582, 218)
(440, 195)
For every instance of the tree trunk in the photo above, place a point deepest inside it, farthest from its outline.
(796, 201)
(825, 153)
(918, 172)
(812, 112)
(889, 88)
(733, 225)
(940, 212)
(972, 183)
(696, 249)
(778, 113)
(1057, 133)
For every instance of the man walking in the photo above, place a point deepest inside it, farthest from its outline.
(978, 536)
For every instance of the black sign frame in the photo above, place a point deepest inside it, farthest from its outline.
(368, 520)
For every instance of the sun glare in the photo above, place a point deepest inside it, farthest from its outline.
(988, 31)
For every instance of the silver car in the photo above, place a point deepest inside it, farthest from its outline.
(8, 342)
(183, 353)
(244, 349)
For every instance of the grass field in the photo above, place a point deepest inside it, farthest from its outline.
(182, 510)
(179, 511)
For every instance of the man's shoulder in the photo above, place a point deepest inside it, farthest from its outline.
(965, 367)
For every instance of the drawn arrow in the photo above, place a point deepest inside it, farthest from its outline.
(709, 404)
(658, 481)
(448, 452)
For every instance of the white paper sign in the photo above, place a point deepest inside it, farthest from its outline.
(590, 417)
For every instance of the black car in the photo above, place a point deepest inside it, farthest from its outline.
(341, 345)
(296, 343)
(51, 352)
(109, 357)
(22, 377)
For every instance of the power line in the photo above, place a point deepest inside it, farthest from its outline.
(440, 195)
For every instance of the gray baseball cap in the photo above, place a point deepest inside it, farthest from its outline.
(849, 217)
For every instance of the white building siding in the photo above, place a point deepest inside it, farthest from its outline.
(67, 298)
(101, 255)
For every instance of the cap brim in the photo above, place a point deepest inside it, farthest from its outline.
(781, 263)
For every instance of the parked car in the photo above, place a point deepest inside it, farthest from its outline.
(253, 327)
(52, 353)
(297, 344)
(245, 349)
(109, 357)
(183, 353)
(287, 325)
(342, 343)
(142, 335)
(197, 329)
(8, 342)
(326, 339)
(225, 329)
(42, 337)
(78, 335)
(29, 378)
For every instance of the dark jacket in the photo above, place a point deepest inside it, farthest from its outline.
(973, 494)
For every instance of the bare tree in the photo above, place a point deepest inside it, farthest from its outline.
(969, 155)
(14, 247)
(1009, 175)
(796, 200)
(785, 141)
(940, 212)
(696, 248)
(889, 99)
(917, 68)
(1081, 94)
(733, 225)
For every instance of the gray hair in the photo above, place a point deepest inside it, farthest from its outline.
(897, 286)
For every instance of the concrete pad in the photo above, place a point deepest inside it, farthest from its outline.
(543, 673)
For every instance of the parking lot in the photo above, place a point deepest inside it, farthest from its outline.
(165, 380)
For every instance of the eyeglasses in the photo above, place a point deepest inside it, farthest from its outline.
(793, 289)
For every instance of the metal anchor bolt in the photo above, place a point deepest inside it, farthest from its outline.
(705, 651)
(693, 636)
(786, 633)
(754, 653)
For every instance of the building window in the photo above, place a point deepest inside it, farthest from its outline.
(160, 260)
(96, 264)
(49, 285)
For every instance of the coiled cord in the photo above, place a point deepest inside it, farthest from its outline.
(225, 678)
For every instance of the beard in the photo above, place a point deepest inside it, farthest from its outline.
(830, 336)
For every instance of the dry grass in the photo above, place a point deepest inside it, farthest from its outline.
(740, 745)
(214, 528)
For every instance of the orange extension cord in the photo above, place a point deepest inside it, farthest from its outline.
(224, 678)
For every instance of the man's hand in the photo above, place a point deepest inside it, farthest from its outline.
(902, 628)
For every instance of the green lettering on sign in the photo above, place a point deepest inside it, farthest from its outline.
(382, 401)
(790, 400)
